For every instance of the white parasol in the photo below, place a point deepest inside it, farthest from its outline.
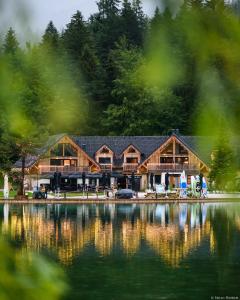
(6, 187)
(183, 185)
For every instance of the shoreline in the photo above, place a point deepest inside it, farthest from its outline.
(118, 201)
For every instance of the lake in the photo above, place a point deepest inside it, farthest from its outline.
(131, 251)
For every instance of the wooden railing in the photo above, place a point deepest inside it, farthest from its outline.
(62, 169)
(130, 167)
(171, 167)
(106, 167)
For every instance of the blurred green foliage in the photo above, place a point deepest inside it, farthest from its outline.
(123, 73)
(223, 167)
(119, 62)
(28, 276)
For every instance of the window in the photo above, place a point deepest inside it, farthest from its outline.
(69, 150)
(166, 160)
(181, 160)
(131, 160)
(63, 150)
(180, 149)
(56, 162)
(131, 150)
(104, 160)
(63, 162)
(104, 150)
(57, 150)
(168, 149)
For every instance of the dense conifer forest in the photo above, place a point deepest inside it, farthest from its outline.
(124, 73)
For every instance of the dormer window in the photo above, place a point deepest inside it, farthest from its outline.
(131, 160)
(131, 150)
(131, 155)
(104, 160)
(104, 156)
(104, 150)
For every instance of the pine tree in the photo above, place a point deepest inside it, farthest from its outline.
(217, 5)
(79, 45)
(76, 35)
(195, 4)
(50, 38)
(108, 8)
(133, 22)
(11, 45)
(137, 7)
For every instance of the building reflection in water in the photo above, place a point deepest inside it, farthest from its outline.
(170, 231)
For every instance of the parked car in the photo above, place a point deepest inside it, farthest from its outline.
(124, 194)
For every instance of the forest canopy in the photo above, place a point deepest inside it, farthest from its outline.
(124, 73)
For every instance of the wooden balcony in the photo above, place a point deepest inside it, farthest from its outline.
(171, 167)
(130, 167)
(106, 167)
(62, 169)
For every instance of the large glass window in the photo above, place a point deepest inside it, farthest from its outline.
(69, 150)
(64, 150)
(56, 162)
(104, 160)
(180, 149)
(63, 162)
(57, 150)
(181, 160)
(168, 150)
(166, 160)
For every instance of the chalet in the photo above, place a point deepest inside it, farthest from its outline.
(115, 160)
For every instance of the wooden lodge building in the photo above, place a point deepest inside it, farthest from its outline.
(114, 160)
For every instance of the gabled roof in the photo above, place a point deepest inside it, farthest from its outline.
(200, 146)
(32, 159)
(104, 146)
(131, 146)
(145, 144)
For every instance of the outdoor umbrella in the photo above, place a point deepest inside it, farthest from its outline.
(151, 180)
(133, 181)
(109, 179)
(193, 185)
(57, 180)
(104, 180)
(166, 181)
(6, 187)
(183, 185)
(198, 187)
(201, 181)
(204, 187)
(163, 179)
(83, 179)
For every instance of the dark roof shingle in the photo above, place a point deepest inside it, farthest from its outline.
(201, 146)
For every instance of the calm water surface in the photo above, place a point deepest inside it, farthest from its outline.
(160, 251)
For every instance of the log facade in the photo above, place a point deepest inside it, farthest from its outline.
(113, 161)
